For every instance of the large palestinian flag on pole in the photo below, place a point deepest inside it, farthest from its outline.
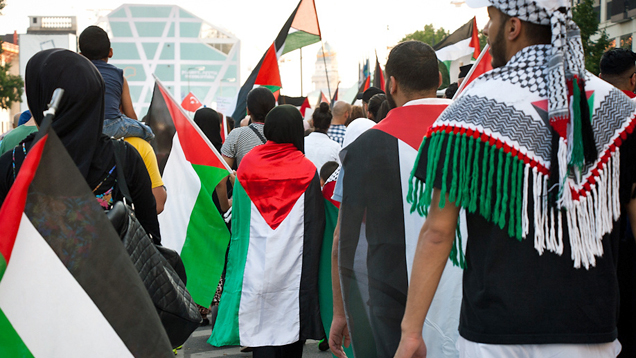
(301, 29)
(190, 222)
(67, 285)
(461, 43)
(270, 297)
(379, 234)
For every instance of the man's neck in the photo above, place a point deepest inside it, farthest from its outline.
(415, 96)
(335, 121)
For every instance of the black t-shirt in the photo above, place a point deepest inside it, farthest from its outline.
(136, 174)
(513, 295)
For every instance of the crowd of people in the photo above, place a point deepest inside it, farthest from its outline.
(494, 222)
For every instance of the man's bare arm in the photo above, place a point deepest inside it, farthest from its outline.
(339, 334)
(433, 247)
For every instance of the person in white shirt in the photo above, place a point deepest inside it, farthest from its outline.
(319, 148)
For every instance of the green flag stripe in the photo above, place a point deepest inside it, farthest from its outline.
(203, 252)
(11, 345)
(325, 293)
(226, 328)
(3, 266)
(299, 39)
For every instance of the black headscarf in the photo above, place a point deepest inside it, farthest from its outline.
(284, 124)
(210, 123)
(80, 116)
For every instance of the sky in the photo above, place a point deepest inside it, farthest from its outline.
(355, 29)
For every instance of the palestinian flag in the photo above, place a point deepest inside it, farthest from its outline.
(378, 77)
(379, 234)
(461, 43)
(67, 285)
(334, 99)
(322, 98)
(270, 297)
(190, 222)
(363, 87)
(483, 65)
(301, 29)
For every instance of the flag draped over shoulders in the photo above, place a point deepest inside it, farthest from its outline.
(491, 152)
(270, 296)
(379, 234)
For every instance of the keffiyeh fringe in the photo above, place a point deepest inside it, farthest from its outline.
(500, 183)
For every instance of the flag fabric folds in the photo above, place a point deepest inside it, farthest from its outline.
(191, 103)
(301, 29)
(270, 297)
(190, 222)
(483, 65)
(67, 285)
(378, 77)
(379, 233)
(463, 42)
(334, 99)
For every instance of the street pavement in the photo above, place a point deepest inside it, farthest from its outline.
(197, 347)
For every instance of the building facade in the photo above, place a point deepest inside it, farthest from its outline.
(185, 52)
(329, 60)
(617, 18)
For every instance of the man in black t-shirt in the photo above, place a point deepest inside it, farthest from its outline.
(538, 153)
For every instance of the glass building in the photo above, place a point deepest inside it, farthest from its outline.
(184, 51)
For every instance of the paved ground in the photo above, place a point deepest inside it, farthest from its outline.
(197, 347)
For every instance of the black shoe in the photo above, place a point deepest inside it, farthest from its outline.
(323, 345)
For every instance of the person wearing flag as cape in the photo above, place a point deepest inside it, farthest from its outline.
(378, 231)
(270, 297)
(539, 152)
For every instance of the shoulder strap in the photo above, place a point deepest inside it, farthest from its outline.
(260, 136)
(119, 147)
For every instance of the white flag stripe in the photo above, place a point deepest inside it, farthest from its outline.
(440, 327)
(183, 185)
(274, 263)
(48, 308)
(455, 51)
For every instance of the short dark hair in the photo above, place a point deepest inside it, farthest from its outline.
(94, 43)
(451, 90)
(414, 65)
(322, 117)
(327, 169)
(617, 61)
(383, 111)
(260, 101)
(375, 102)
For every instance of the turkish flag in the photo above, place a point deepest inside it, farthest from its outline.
(191, 103)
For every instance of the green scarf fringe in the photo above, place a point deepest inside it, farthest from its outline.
(468, 186)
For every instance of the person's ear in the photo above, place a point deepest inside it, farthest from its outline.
(110, 53)
(513, 28)
(393, 85)
(439, 84)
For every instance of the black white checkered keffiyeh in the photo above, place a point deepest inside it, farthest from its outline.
(494, 153)
(566, 70)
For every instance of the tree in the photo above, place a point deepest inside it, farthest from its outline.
(429, 35)
(586, 18)
(11, 86)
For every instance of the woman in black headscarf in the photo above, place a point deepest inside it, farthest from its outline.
(279, 272)
(78, 123)
(210, 123)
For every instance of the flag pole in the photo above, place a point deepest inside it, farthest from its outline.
(301, 71)
(324, 60)
(470, 73)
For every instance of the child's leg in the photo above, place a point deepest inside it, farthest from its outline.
(123, 126)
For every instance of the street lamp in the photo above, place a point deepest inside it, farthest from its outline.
(198, 68)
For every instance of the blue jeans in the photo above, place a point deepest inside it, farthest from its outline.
(122, 127)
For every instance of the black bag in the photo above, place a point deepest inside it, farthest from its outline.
(176, 308)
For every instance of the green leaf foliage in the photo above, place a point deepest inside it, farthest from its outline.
(587, 20)
(11, 86)
(429, 35)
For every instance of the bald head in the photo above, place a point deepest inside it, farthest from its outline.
(341, 111)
